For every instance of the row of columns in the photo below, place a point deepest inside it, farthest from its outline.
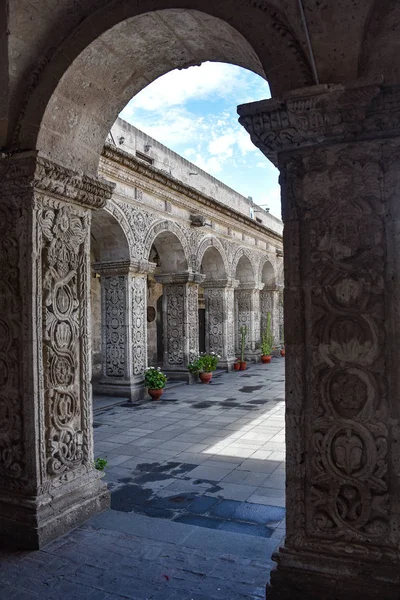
(124, 331)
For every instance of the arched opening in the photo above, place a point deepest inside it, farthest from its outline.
(165, 312)
(246, 310)
(118, 51)
(244, 272)
(110, 258)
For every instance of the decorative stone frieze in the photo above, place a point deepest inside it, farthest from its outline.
(338, 151)
(47, 479)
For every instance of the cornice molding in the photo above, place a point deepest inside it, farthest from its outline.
(108, 269)
(29, 171)
(133, 164)
(179, 278)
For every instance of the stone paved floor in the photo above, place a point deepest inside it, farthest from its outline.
(197, 486)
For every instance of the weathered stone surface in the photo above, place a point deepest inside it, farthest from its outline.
(341, 333)
(47, 477)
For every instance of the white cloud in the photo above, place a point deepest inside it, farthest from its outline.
(176, 88)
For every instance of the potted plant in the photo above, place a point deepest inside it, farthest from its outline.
(195, 366)
(155, 380)
(266, 342)
(283, 353)
(243, 335)
(208, 364)
(236, 365)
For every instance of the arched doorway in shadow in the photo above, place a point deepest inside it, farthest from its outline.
(269, 300)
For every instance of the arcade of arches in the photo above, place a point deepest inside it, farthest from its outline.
(168, 288)
(333, 129)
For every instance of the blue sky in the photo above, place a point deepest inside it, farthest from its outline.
(193, 112)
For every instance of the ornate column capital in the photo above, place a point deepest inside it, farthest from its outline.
(220, 283)
(323, 114)
(250, 287)
(179, 278)
(127, 267)
(28, 171)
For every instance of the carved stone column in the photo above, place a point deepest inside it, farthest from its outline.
(220, 329)
(124, 328)
(48, 483)
(269, 303)
(181, 321)
(247, 300)
(338, 150)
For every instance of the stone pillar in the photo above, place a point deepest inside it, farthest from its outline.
(269, 303)
(181, 321)
(123, 328)
(219, 301)
(247, 300)
(48, 483)
(338, 150)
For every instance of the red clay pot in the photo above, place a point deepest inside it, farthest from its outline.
(243, 366)
(265, 359)
(236, 366)
(205, 377)
(156, 394)
(283, 353)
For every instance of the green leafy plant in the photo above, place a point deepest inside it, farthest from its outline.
(195, 366)
(267, 338)
(154, 378)
(100, 464)
(243, 335)
(204, 363)
(209, 361)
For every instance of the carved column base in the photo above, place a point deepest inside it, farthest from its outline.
(179, 375)
(31, 522)
(317, 577)
(227, 363)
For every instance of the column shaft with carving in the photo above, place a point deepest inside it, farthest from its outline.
(248, 315)
(181, 320)
(48, 483)
(339, 157)
(219, 307)
(269, 303)
(123, 325)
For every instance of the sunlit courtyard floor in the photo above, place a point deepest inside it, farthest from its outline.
(197, 507)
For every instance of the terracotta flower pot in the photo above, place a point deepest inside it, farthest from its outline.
(243, 365)
(156, 394)
(265, 359)
(205, 377)
(283, 353)
(236, 366)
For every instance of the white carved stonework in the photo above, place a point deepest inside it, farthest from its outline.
(181, 324)
(214, 305)
(248, 315)
(220, 322)
(266, 306)
(46, 447)
(115, 325)
(124, 327)
(271, 302)
(342, 332)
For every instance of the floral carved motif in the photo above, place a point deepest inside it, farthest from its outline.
(215, 311)
(139, 342)
(174, 316)
(193, 320)
(114, 298)
(63, 240)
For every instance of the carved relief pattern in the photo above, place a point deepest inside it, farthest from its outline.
(139, 332)
(230, 317)
(140, 221)
(174, 298)
(63, 239)
(114, 295)
(347, 420)
(215, 309)
(243, 300)
(193, 320)
(266, 306)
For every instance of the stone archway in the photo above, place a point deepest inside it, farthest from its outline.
(337, 148)
(269, 299)
(247, 304)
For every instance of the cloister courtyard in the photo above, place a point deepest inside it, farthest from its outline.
(197, 499)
